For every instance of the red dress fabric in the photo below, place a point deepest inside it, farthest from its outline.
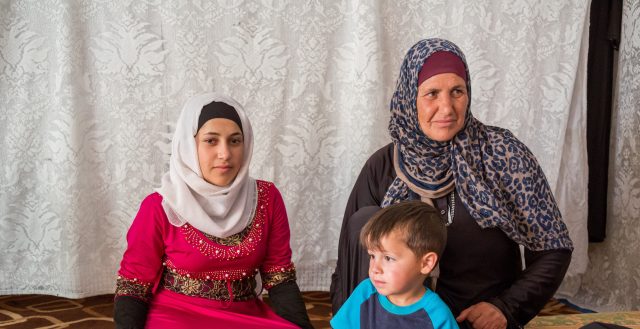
(192, 280)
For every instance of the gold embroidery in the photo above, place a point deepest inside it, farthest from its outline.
(238, 290)
(134, 288)
(191, 286)
(232, 240)
(276, 275)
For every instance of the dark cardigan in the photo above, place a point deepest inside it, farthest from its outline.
(477, 264)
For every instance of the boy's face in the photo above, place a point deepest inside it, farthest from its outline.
(396, 271)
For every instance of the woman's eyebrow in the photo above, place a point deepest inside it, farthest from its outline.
(218, 134)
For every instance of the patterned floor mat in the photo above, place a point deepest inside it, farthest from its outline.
(42, 311)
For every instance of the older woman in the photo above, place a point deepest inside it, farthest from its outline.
(486, 184)
(197, 243)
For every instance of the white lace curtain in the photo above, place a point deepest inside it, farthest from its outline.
(89, 92)
(612, 281)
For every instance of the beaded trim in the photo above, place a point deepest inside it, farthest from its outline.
(212, 275)
(216, 250)
(451, 207)
(134, 288)
(275, 275)
(222, 290)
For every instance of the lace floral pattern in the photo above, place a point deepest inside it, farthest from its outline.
(232, 240)
(222, 290)
(275, 275)
(141, 60)
(612, 280)
(134, 288)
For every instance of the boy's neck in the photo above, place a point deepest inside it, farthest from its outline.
(408, 298)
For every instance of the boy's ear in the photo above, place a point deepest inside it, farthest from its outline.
(428, 262)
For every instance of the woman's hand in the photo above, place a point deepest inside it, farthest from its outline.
(483, 316)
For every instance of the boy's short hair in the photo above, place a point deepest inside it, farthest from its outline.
(423, 229)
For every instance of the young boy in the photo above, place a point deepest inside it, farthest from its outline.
(404, 242)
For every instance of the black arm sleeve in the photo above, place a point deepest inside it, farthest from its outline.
(129, 312)
(372, 182)
(369, 190)
(536, 285)
(286, 301)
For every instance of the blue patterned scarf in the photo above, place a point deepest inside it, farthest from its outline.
(496, 176)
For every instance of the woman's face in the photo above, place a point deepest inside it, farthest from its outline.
(442, 104)
(220, 146)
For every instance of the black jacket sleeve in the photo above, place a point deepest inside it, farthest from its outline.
(129, 312)
(286, 301)
(369, 190)
(537, 284)
(371, 185)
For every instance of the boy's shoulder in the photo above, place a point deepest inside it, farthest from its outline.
(365, 288)
(432, 300)
(438, 311)
(364, 291)
(366, 308)
(348, 316)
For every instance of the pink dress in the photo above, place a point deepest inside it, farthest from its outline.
(194, 280)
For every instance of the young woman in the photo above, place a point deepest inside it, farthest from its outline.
(197, 243)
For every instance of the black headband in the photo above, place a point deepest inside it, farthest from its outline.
(216, 110)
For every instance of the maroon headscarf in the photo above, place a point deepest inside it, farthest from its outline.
(442, 62)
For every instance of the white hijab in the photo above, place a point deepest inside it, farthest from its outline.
(220, 211)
